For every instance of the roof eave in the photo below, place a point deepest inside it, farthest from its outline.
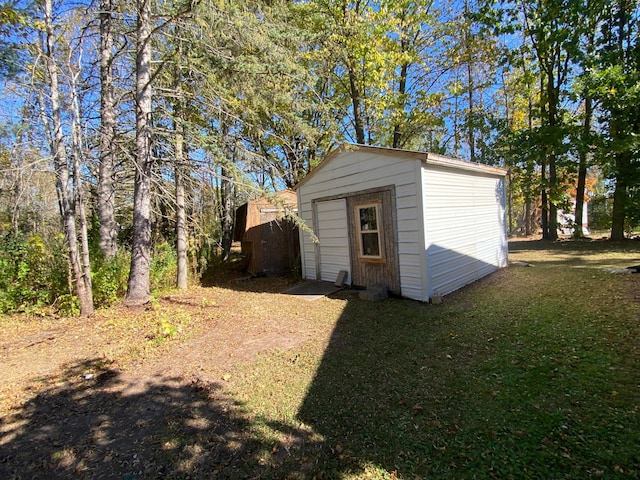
(427, 158)
(440, 160)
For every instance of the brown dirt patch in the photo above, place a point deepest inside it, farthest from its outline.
(119, 395)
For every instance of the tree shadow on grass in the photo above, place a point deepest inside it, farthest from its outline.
(372, 397)
(584, 246)
(90, 422)
(406, 390)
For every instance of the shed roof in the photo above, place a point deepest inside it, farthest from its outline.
(425, 157)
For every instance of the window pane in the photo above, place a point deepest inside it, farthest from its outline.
(368, 220)
(370, 245)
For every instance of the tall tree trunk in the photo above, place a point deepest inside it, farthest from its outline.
(65, 198)
(402, 83)
(84, 236)
(544, 201)
(620, 195)
(470, 119)
(181, 227)
(552, 98)
(585, 148)
(578, 231)
(402, 90)
(468, 59)
(543, 167)
(180, 169)
(226, 216)
(106, 181)
(529, 223)
(509, 204)
(356, 101)
(617, 131)
(138, 288)
(553, 207)
(549, 224)
(77, 185)
(17, 157)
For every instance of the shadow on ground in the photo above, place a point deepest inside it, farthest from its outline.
(587, 245)
(412, 391)
(576, 253)
(404, 390)
(91, 423)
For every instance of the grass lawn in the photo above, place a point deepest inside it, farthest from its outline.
(532, 373)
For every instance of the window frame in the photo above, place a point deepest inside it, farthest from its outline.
(377, 204)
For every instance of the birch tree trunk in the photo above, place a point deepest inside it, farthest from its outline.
(65, 197)
(138, 288)
(77, 157)
(180, 167)
(181, 229)
(226, 215)
(106, 186)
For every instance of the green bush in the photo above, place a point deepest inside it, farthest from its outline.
(600, 209)
(633, 210)
(109, 278)
(164, 266)
(33, 272)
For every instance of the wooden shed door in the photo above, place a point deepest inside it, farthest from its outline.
(333, 247)
(373, 239)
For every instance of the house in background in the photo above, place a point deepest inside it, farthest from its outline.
(269, 242)
(567, 219)
(418, 223)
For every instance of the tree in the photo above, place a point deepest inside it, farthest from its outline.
(473, 58)
(81, 273)
(12, 20)
(411, 103)
(180, 170)
(615, 83)
(585, 139)
(551, 27)
(138, 288)
(106, 173)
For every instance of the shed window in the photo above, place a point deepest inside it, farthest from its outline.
(369, 233)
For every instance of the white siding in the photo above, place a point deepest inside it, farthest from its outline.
(450, 219)
(333, 250)
(465, 236)
(355, 171)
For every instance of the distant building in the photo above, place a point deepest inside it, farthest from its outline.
(567, 220)
(269, 242)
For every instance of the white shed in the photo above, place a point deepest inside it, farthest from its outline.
(419, 223)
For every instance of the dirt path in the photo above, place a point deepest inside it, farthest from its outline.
(97, 398)
(215, 329)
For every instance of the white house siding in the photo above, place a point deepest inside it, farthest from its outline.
(465, 237)
(355, 171)
(333, 250)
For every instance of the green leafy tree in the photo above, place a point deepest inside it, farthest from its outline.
(615, 84)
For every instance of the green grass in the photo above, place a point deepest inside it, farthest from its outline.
(533, 373)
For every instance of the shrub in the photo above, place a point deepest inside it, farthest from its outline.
(164, 266)
(109, 278)
(33, 272)
(600, 208)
